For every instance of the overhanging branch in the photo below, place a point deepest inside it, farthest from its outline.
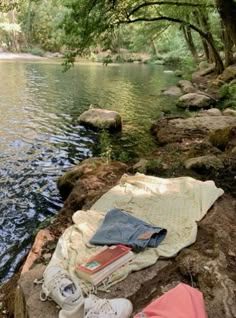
(180, 4)
(163, 18)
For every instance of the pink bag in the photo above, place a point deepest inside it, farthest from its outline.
(182, 301)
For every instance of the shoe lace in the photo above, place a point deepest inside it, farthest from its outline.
(52, 284)
(101, 307)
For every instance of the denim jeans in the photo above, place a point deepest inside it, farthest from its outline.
(119, 227)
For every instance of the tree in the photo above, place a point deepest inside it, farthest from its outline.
(86, 21)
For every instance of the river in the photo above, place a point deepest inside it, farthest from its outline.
(40, 137)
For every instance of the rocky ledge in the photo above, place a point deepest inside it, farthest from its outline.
(209, 264)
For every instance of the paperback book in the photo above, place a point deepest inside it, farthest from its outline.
(104, 263)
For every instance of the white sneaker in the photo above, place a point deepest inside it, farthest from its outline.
(95, 307)
(60, 286)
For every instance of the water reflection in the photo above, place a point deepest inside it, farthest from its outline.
(40, 137)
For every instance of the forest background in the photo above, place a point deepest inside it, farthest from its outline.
(181, 31)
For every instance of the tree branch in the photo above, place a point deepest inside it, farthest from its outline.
(182, 4)
(163, 18)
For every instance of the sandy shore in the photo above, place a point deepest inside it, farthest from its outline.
(11, 56)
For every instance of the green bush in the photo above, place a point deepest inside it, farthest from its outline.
(228, 91)
(224, 91)
(37, 51)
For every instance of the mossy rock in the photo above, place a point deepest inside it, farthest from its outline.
(221, 138)
(67, 181)
(230, 104)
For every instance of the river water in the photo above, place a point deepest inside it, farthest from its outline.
(40, 137)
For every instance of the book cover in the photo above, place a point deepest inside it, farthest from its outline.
(105, 257)
(97, 277)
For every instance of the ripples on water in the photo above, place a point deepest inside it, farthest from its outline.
(40, 137)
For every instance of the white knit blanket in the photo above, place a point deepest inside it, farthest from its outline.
(175, 204)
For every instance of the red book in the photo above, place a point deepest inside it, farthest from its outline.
(104, 263)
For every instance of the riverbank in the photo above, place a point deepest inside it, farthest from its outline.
(23, 56)
(209, 264)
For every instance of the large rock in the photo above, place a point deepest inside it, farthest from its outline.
(210, 112)
(186, 86)
(228, 74)
(82, 185)
(173, 91)
(178, 129)
(204, 163)
(229, 112)
(94, 171)
(209, 263)
(101, 119)
(224, 139)
(195, 101)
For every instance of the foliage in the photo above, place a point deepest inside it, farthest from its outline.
(37, 51)
(228, 91)
(105, 147)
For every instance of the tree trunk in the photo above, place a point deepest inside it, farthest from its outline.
(14, 36)
(154, 47)
(189, 40)
(227, 11)
(206, 49)
(228, 45)
(219, 66)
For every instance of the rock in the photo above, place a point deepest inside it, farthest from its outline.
(203, 65)
(223, 138)
(141, 166)
(229, 112)
(194, 101)
(168, 71)
(210, 262)
(210, 112)
(204, 163)
(233, 82)
(27, 300)
(173, 91)
(30, 305)
(199, 77)
(178, 73)
(42, 237)
(178, 129)
(228, 74)
(82, 185)
(233, 151)
(92, 170)
(68, 180)
(101, 119)
(203, 148)
(186, 86)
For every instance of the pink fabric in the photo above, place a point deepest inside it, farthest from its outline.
(182, 301)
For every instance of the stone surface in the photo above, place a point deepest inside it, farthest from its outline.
(194, 101)
(209, 265)
(177, 130)
(229, 112)
(173, 91)
(204, 163)
(140, 166)
(82, 185)
(42, 237)
(229, 74)
(28, 304)
(233, 151)
(186, 86)
(101, 119)
(224, 139)
(210, 112)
